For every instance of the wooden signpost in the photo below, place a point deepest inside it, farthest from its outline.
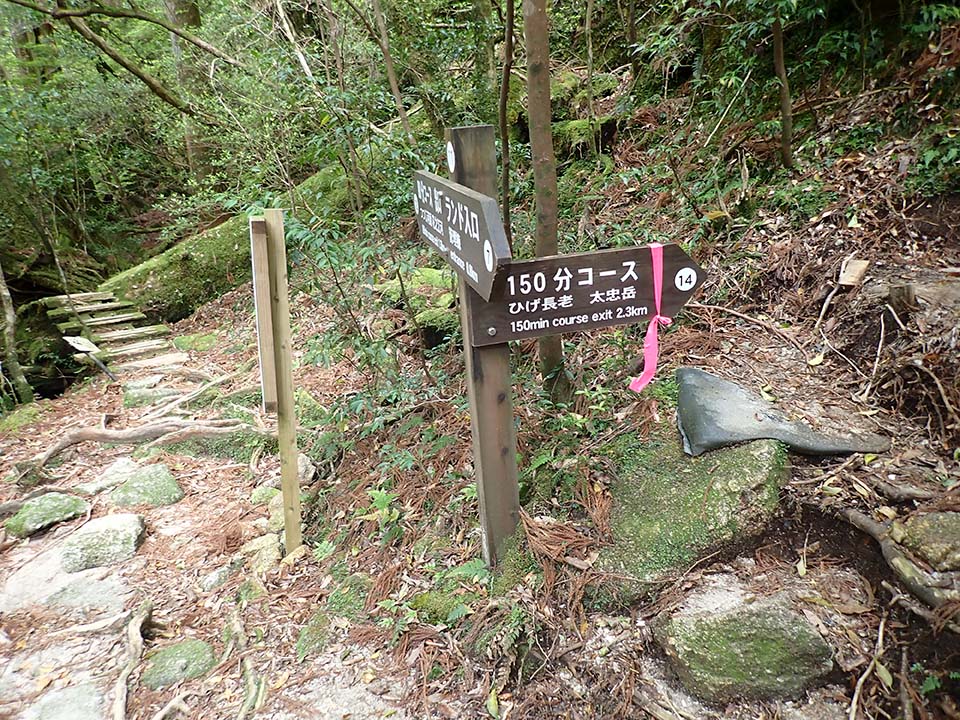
(501, 300)
(276, 358)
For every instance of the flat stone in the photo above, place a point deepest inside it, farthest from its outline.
(104, 541)
(713, 413)
(186, 660)
(141, 397)
(275, 506)
(151, 485)
(724, 645)
(43, 511)
(669, 510)
(263, 494)
(262, 552)
(79, 702)
(936, 538)
(43, 581)
(117, 472)
(146, 382)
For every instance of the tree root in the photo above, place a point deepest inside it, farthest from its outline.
(254, 686)
(919, 582)
(134, 651)
(898, 598)
(156, 432)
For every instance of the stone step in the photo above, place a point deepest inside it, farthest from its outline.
(79, 309)
(131, 333)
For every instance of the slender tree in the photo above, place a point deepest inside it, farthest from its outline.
(20, 385)
(536, 34)
(786, 106)
(502, 115)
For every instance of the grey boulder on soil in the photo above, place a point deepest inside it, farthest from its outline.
(713, 412)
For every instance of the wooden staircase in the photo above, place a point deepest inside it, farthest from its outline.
(114, 326)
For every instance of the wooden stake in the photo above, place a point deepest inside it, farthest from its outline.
(261, 302)
(488, 369)
(283, 359)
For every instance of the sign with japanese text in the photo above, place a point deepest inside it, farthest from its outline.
(465, 227)
(569, 293)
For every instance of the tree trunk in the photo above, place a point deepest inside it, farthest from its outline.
(186, 14)
(504, 126)
(786, 107)
(20, 385)
(535, 31)
(391, 72)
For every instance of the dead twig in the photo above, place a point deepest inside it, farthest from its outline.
(177, 704)
(898, 598)
(134, 651)
(878, 651)
(756, 321)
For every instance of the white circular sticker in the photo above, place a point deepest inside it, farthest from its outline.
(685, 279)
(488, 255)
(451, 157)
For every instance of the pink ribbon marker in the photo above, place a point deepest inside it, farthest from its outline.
(651, 348)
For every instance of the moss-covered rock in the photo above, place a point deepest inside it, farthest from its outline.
(725, 646)
(262, 553)
(173, 284)
(13, 422)
(134, 397)
(104, 541)
(41, 512)
(669, 509)
(185, 660)
(435, 606)
(198, 341)
(936, 538)
(431, 298)
(263, 494)
(313, 636)
(152, 485)
(119, 471)
(238, 446)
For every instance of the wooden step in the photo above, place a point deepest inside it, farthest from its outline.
(131, 333)
(128, 352)
(64, 300)
(88, 309)
(177, 358)
(100, 321)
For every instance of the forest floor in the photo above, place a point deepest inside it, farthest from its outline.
(879, 355)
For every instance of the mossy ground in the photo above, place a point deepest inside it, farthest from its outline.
(19, 418)
(238, 446)
(669, 509)
(198, 341)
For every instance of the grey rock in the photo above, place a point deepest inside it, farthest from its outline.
(262, 552)
(88, 591)
(936, 538)
(713, 412)
(147, 381)
(263, 494)
(725, 645)
(150, 485)
(141, 397)
(275, 506)
(80, 702)
(43, 511)
(104, 541)
(117, 472)
(185, 660)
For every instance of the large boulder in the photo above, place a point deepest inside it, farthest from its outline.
(41, 512)
(669, 510)
(725, 644)
(104, 541)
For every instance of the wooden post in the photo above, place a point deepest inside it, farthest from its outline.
(283, 359)
(473, 163)
(261, 303)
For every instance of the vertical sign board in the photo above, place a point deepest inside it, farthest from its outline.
(261, 304)
(464, 226)
(570, 293)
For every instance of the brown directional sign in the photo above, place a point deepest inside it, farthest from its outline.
(465, 227)
(569, 293)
